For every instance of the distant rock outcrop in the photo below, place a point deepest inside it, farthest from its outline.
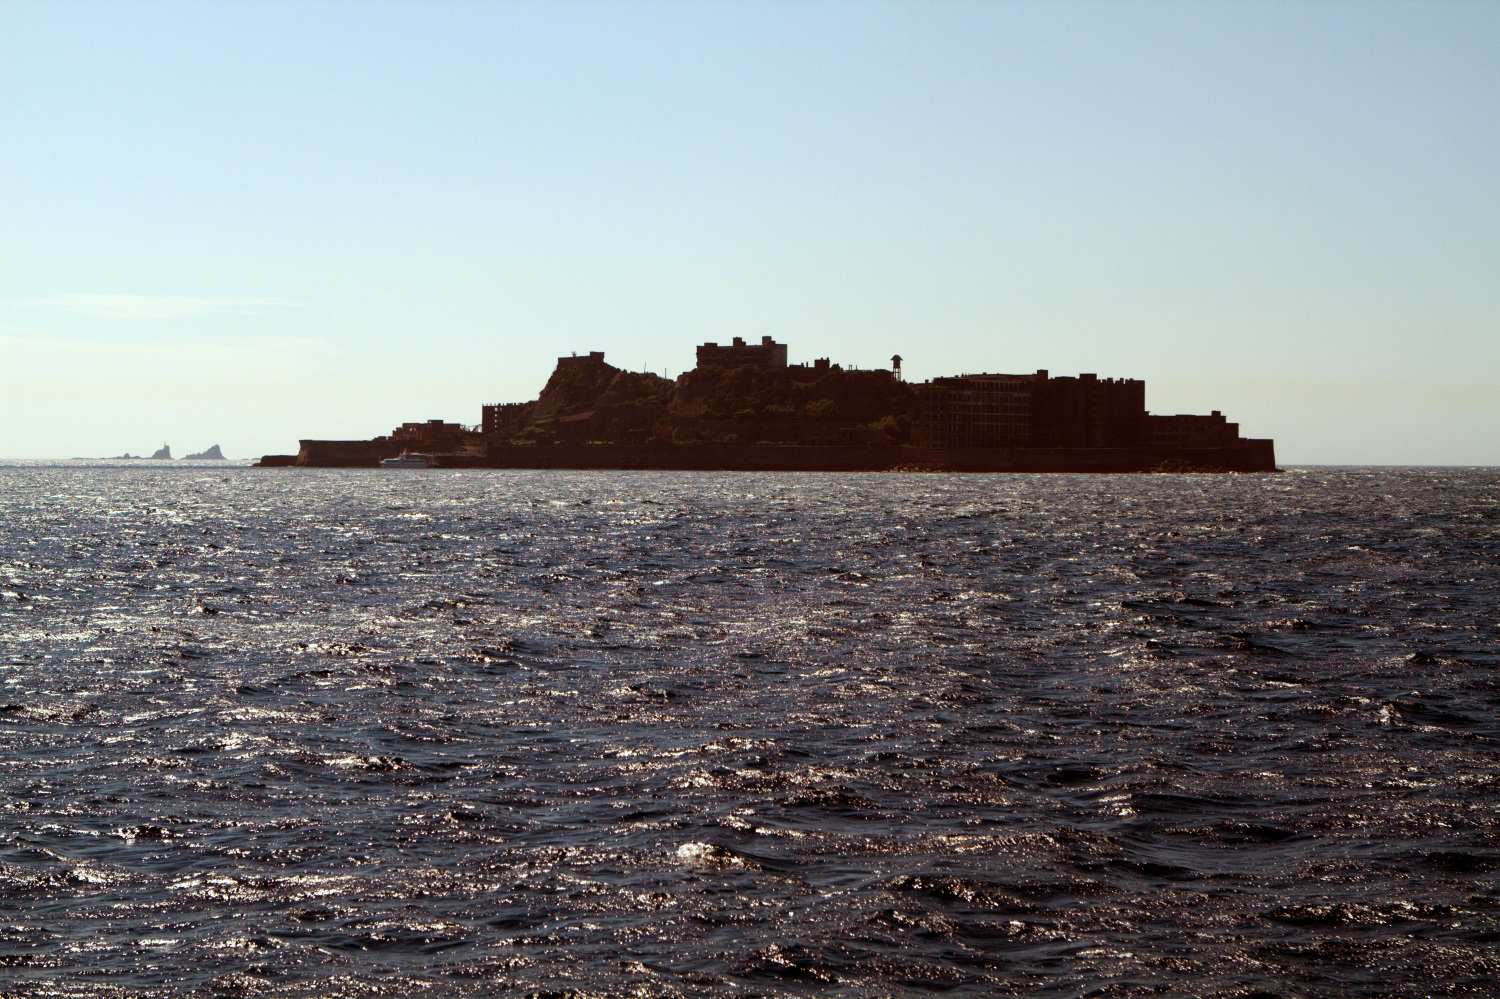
(212, 454)
(165, 453)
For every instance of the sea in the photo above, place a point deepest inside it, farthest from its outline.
(400, 732)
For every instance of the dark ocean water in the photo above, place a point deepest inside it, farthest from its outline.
(472, 733)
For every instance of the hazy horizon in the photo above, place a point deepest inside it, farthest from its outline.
(248, 223)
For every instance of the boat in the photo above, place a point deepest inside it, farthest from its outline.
(408, 460)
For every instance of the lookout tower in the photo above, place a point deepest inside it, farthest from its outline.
(896, 366)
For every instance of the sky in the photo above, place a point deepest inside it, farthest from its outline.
(244, 223)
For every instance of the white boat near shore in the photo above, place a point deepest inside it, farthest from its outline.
(408, 460)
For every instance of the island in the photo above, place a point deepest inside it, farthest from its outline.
(744, 408)
(212, 454)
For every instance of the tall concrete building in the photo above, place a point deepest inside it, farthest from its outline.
(978, 411)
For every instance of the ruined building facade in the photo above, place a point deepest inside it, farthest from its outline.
(978, 411)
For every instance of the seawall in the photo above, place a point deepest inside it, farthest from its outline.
(1247, 456)
(1250, 456)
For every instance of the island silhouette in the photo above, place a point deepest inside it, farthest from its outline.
(743, 407)
(164, 453)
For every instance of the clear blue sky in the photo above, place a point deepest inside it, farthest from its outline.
(245, 223)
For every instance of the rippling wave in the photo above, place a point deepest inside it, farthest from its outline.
(350, 733)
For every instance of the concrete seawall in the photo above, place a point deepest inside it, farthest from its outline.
(1251, 456)
(1247, 456)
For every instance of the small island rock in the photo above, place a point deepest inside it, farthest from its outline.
(212, 454)
(165, 453)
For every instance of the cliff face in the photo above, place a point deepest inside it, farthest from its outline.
(635, 388)
(575, 384)
(798, 405)
(830, 395)
(588, 400)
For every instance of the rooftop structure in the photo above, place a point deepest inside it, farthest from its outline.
(593, 357)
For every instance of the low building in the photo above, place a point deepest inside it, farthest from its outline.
(1185, 430)
(768, 354)
(433, 435)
